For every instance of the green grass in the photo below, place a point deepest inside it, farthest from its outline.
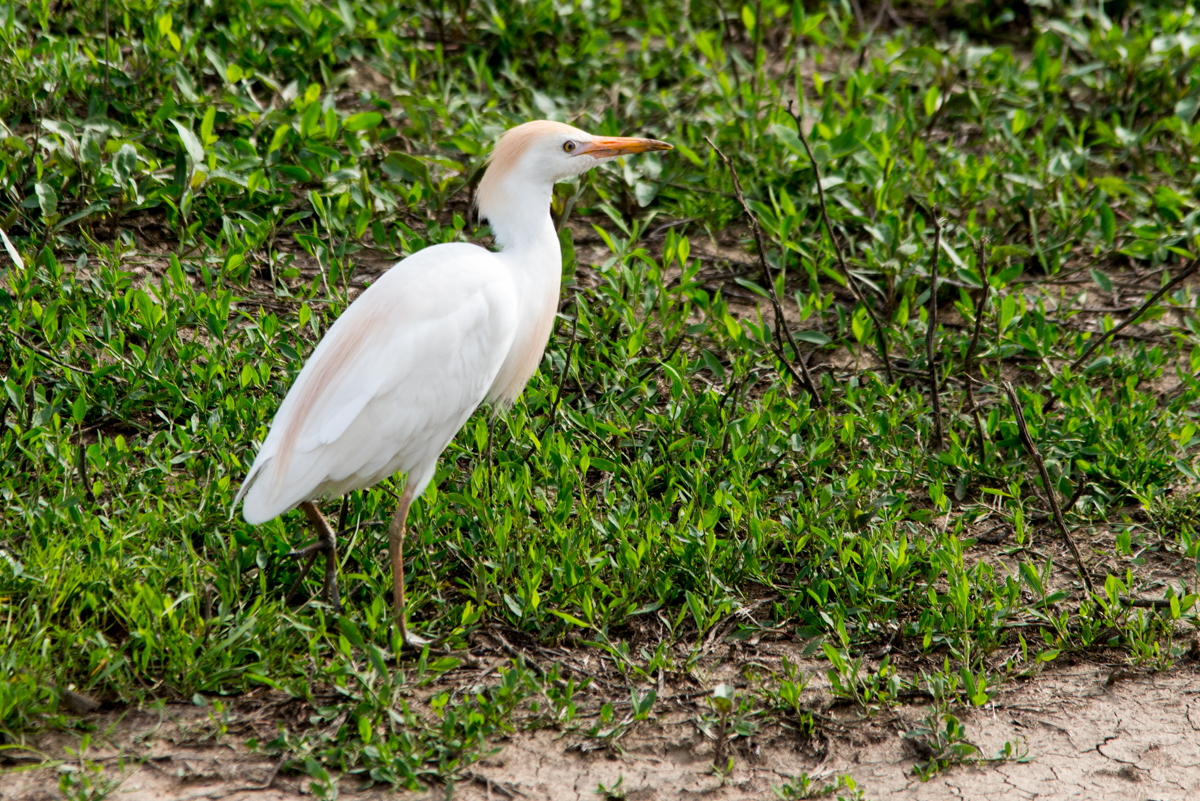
(192, 216)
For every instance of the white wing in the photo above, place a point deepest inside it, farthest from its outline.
(390, 383)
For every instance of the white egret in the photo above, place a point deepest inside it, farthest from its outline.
(401, 370)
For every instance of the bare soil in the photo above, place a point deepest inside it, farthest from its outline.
(1087, 731)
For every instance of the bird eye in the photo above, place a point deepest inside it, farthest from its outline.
(569, 147)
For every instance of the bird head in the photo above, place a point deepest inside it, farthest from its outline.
(530, 158)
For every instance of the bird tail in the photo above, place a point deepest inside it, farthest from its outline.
(253, 476)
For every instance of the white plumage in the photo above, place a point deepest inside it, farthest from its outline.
(391, 382)
(447, 328)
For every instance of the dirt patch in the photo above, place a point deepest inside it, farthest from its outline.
(1082, 732)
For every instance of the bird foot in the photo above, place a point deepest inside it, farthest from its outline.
(412, 642)
(325, 546)
(329, 590)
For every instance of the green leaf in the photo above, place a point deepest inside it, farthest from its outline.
(1018, 121)
(713, 364)
(363, 122)
(191, 144)
(125, 163)
(12, 251)
(815, 337)
(748, 19)
(931, 100)
(927, 54)
(206, 126)
(1102, 280)
(1113, 185)
(644, 192)
(79, 409)
(351, 632)
(47, 199)
(788, 136)
(1186, 108)
(860, 323)
(1108, 223)
(574, 621)
(1002, 252)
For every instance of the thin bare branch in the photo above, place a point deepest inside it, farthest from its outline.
(1051, 498)
(1131, 319)
(935, 392)
(803, 377)
(980, 306)
(880, 334)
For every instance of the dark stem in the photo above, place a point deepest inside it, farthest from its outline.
(803, 377)
(106, 43)
(980, 305)
(341, 526)
(562, 379)
(1130, 320)
(931, 333)
(1174, 282)
(719, 751)
(729, 48)
(879, 332)
(81, 466)
(737, 390)
(488, 456)
(1050, 495)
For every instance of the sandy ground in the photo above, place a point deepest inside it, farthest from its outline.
(1085, 732)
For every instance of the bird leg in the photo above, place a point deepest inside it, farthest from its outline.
(326, 543)
(396, 532)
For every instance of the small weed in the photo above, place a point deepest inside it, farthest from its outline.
(733, 716)
(940, 742)
(614, 793)
(84, 779)
(801, 787)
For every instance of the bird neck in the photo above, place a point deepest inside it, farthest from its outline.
(520, 219)
(529, 248)
(532, 251)
(526, 239)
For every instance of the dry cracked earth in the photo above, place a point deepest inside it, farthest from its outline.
(1082, 732)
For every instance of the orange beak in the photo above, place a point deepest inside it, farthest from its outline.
(603, 147)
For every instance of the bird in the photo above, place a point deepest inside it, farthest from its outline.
(444, 330)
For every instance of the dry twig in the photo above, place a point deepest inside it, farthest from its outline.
(935, 393)
(981, 304)
(804, 378)
(837, 249)
(1130, 320)
(1036, 457)
(1174, 282)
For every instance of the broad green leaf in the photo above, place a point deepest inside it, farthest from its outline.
(927, 54)
(932, 95)
(206, 126)
(364, 121)
(47, 199)
(1018, 120)
(12, 251)
(1108, 223)
(815, 337)
(1186, 108)
(191, 144)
